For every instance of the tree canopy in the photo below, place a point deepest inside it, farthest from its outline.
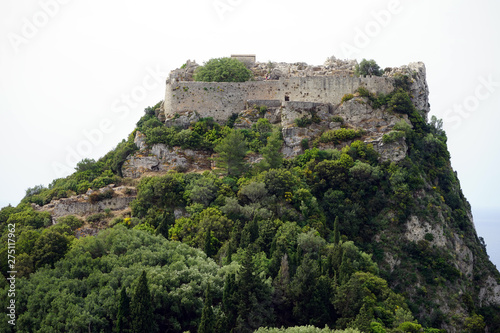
(223, 70)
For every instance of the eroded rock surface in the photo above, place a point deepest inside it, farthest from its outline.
(161, 158)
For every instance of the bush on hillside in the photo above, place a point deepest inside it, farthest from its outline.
(223, 70)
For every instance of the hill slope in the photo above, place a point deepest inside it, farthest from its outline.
(346, 215)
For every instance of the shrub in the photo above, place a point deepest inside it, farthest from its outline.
(368, 67)
(337, 119)
(306, 121)
(400, 102)
(96, 217)
(304, 143)
(71, 221)
(303, 121)
(346, 97)
(429, 237)
(230, 121)
(402, 126)
(161, 134)
(262, 109)
(392, 136)
(340, 135)
(99, 196)
(94, 197)
(151, 123)
(363, 92)
(223, 70)
(402, 81)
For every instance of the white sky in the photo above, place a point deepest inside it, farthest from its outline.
(69, 66)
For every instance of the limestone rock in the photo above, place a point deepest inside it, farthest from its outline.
(416, 231)
(394, 151)
(136, 165)
(489, 294)
(293, 110)
(185, 73)
(419, 90)
(182, 119)
(140, 140)
(161, 158)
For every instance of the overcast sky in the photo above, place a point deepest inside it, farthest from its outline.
(75, 76)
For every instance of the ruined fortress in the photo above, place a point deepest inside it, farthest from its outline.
(281, 93)
(279, 83)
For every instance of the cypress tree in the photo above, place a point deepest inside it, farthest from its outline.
(254, 297)
(167, 220)
(122, 323)
(227, 321)
(208, 247)
(336, 233)
(141, 309)
(207, 323)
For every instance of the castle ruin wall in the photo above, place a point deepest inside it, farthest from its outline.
(221, 99)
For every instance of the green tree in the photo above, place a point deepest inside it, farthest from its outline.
(410, 327)
(49, 248)
(336, 232)
(227, 320)
(208, 245)
(475, 324)
(122, 321)
(311, 293)
(158, 192)
(368, 67)
(232, 151)
(401, 102)
(282, 299)
(207, 323)
(167, 220)
(254, 297)
(223, 70)
(141, 311)
(273, 158)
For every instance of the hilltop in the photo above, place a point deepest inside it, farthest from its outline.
(305, 195)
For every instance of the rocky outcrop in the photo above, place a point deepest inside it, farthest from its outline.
(182, 119)
(355, 113)
(419, 90)
(277, 70)
(186, 72)
(161, 158)
(417, 230)
(80, 205)
(489, 294)
(392, 151)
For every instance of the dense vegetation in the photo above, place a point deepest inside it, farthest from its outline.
(368, 67)
(278, 243)
(223, 70)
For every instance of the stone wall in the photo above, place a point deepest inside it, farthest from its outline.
(73, 206)
(215, 99)
(79, 205)
(221, 99)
